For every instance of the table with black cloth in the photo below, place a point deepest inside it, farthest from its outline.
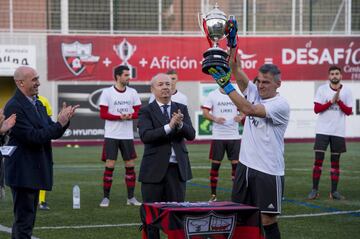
(202, 220)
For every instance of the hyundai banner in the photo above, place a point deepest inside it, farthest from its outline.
(87, 125)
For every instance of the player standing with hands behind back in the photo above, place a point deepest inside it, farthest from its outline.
(259, 176)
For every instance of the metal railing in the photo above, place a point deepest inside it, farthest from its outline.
(179, 17)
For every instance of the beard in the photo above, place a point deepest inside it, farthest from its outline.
(334, 81)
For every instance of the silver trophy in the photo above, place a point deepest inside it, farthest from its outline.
(213, 24)
(125, 50)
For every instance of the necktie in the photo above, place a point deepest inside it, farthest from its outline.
(165, 112)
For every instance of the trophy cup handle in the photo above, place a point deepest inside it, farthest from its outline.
(202, 25)
(200, 21)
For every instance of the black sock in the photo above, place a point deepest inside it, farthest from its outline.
(272, 231)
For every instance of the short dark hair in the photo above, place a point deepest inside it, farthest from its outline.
(271, 68)
(333, 68)
(171, 72)
(119, 70)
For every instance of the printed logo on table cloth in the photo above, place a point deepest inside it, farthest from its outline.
(78, 57)
(210, 224)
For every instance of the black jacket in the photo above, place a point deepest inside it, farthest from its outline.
(31, 165)
(158, 145)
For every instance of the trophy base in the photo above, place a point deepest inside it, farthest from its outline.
(215, 57)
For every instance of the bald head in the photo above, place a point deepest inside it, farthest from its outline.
(161, 87)
(27, 80)
(21, 72)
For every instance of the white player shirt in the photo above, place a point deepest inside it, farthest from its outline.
(119, 103)
(221, 105)
(262, 145)
(178, 97)
(332, 120)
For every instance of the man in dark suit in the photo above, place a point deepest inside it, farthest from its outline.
(30, 167)
(163, 127)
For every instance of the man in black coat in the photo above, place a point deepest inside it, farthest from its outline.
(30, 167)
(163, 127)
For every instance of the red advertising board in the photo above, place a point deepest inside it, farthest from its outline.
(87, 58)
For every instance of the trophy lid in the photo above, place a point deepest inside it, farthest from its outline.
(215, 13)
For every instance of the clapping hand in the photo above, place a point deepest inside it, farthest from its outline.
(336, 96)
(220, 120)
(176, 120)
(66, 113)
(126, 116)
(6, 124)
(2, 117)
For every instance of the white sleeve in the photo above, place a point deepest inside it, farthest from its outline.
(136, 99)
(348, 101)
(278, 111)
(250, 92)
(103, 100)
(185, 100)
(318, 96)
(208, 103)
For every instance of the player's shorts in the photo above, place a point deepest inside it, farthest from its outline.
(337, 144)
(258, 189)
(218, 148)
(112, 147)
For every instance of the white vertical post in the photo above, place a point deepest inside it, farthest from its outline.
(254, 16)
(111, 16)
(160, 17)
(244, 17)
(11, 16)
(348, 16)
(337, 17)
(301, 12)
(64, 16)
(345, 16)
(293, 15)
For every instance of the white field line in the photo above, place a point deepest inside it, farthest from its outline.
(8, 230)
(89, 226)
(320, 214)
(90, 167)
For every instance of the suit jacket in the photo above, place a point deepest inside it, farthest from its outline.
(158, 144)
(31, 165)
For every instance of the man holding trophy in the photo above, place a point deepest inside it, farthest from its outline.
(259, 176)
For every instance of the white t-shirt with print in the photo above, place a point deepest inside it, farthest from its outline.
(262, 145)
(221, 105)
(119, 103)
(332, 120)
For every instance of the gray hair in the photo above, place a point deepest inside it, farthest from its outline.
(157, 77)
(273, 70)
